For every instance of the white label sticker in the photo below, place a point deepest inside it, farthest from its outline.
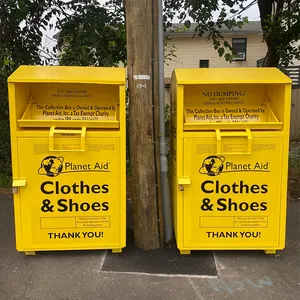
(141, 77)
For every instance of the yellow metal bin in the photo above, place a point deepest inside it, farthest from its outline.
(229, 156)
(68, 157)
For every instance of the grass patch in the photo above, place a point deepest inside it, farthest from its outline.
(294, 171)
(5, 183)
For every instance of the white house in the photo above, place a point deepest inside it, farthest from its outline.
(196, 52)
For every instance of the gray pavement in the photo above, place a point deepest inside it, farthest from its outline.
(242, 275)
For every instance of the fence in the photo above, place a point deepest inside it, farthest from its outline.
(294, 73)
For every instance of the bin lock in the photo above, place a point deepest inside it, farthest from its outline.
(18, 183)
(182, 182)
(81, 132)
(246, 133)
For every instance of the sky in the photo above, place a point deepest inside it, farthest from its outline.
(252, 13)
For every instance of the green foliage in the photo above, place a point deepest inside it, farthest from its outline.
(5, 160)
(294, 170)
(5, 182)
(92, 34)
(20, 33)
(169, 51)
(168, 120)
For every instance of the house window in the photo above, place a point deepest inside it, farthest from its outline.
(204, 63)
(239, 49)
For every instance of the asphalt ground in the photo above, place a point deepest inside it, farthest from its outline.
(163, 262)
(84, 275)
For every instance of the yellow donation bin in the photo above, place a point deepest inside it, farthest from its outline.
(229, 156)
(68, 157)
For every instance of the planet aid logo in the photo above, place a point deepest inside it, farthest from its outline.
(212, 165)
(53, 166)
(215, 165)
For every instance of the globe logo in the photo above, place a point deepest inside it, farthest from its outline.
(212, 165)
(51, 166)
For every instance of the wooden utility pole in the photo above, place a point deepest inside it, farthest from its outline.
(139, 28)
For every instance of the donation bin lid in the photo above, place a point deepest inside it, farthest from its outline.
(231, 76)
(67, 74)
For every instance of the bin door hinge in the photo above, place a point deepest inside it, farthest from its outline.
(182, 181)
(18, 183)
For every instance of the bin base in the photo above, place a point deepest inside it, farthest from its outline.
(29, 253)
(271, 252)
(185, 252)
(116, 250)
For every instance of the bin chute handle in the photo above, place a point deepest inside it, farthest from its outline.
(246, 133)
(81, 132)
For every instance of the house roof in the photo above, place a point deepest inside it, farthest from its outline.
(179, 29)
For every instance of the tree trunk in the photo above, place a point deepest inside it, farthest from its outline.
(265, 7)
(141, 120)
(272, 58)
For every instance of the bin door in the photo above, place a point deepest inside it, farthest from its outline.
(72, 197)
(233, 199)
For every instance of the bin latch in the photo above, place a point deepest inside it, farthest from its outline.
(182, 181)
(18, 183)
